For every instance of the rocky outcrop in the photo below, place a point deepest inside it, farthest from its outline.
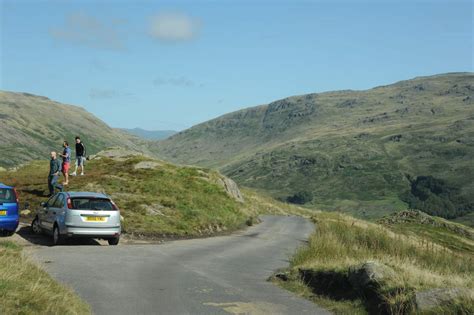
(147, 165)
(370, 275)
(116, 153)
(430, 299)
(231, 188)
(419, 217)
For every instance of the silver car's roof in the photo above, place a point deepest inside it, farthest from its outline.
(86, 194)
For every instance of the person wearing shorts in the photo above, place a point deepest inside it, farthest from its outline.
(66, 162)
(80, 156)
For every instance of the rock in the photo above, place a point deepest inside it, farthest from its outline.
(370, 273)
(368, 280)
(115, 153)
(429, 299)
(284, 275)
(154, 209)
(231, 188)
(147, 165)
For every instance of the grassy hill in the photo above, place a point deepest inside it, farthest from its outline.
(150, 134)
(157, 199)
(31, 126)
(365, 152)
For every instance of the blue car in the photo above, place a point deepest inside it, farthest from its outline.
(9, 209)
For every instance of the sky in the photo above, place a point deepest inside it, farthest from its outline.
(173, 64)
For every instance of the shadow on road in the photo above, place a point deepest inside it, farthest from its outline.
(27, 234)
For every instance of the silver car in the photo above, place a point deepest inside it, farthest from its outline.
(78, 214)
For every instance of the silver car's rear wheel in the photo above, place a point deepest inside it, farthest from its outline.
(114, 241)
(35, 226)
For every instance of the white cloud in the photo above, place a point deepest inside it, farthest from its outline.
(89, 31)
(174, 27)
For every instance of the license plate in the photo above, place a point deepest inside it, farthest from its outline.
(95, 219)
(3, 212)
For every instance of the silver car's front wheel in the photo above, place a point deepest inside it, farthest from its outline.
(57, 238)
(35, 226)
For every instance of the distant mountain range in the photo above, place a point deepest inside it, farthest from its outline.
(150, 134)
(409, 144)
(31, 126)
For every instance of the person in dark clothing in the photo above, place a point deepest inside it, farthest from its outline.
(54, 170)
(80, 156)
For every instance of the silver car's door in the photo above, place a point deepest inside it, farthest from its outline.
(55, 210)
(44, 212)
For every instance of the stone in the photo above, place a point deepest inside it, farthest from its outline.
(147, 165)
(370, 274)
(231, 188)
(426, 300)
(154, 209)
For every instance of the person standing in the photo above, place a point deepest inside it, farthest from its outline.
(53, 177)
(80, 156)
(66, 161)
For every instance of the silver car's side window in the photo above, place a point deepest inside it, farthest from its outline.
(51, 201)
(59, 203)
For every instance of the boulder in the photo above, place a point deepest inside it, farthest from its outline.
(429, 299)
(147, 165)
(115, 153)
(231, 188)
(370, 274)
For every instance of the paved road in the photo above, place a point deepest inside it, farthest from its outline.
(219, 275)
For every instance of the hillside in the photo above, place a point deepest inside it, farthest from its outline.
(157, 199)
(150, 134)
(31, 126)
(409, 144)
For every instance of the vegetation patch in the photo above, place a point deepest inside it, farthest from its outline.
(26, 289)
(352, 262)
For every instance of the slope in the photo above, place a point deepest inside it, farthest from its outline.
(356, 151)
(31, 126)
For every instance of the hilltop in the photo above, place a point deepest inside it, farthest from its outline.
(372, 152)
(31, 126)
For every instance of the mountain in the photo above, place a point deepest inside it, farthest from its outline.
(150, 134)
(31, 126)
(408, 144)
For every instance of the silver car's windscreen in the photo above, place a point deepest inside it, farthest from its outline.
(97, 204)
(7, 195)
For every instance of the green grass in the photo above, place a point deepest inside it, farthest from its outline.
(26, 289)
(422, 257)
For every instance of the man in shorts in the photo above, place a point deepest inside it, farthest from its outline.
(80, 156)
(66, 162)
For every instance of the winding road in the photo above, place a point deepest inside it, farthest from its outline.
(218, 275)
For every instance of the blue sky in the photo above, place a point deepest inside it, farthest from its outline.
(170, 65)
